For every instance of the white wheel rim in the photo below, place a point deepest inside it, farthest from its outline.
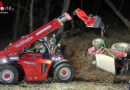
(7, 75)
(64, 73)
(123, 45)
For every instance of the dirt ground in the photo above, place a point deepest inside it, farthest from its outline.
(75, 85)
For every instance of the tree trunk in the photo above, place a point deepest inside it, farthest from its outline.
(31, 16)
(16, 23)
(47, 11)
(98, 6)
(81, 4)
(66, 5)
(110, 4)
(122, 2)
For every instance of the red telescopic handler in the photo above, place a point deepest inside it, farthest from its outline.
(21, 59)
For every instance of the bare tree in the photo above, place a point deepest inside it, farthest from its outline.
(122, 2)
(81, 4)
(16, 23)
(125, 20)
(31, 16)
(47, 11)
(66, 5)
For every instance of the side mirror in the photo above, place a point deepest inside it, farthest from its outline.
(45, 39)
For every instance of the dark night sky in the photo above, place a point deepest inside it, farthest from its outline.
(7, 20)
(89, 6)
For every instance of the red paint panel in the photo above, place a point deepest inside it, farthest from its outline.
(89, 21)
(1, 4)
(32, 37)
(33, 72)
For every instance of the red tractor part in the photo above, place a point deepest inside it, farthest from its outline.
(91, 21)
(1, 4)
(111, 60)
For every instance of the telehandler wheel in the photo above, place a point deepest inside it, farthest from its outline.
(97, 43)
(63, 72)
(8, 74)
(125, 47)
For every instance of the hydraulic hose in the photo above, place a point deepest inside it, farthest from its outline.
(102, 29)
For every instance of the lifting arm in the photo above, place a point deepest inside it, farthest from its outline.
(35, 35)
(91, 21)
(46, 29)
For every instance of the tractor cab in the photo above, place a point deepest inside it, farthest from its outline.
(39, 46)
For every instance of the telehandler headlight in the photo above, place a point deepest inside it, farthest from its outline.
(56, 58)
(3, 60)
(14, 58)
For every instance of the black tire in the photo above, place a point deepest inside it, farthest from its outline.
(97, 43)
(125, 47)
(8, 74)
(60, 70)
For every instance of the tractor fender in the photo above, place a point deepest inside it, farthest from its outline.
(55, 63)
(18, 67)
(12, 63)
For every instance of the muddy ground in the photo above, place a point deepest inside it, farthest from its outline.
(74, 85)
(75, 43)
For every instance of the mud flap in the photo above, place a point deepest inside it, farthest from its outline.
(106, 63)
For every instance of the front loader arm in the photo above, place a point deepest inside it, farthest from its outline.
(35, 35)
(91, 21)
(48, 28)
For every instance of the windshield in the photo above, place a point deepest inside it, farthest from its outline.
(37, 47)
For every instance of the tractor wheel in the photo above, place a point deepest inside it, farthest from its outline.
(8, 74)
(97, 43)
(63, 73)
(125, 47)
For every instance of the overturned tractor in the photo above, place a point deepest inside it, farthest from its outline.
(114, 59)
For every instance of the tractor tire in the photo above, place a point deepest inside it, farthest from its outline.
(97, 43)
(8, 74)
(63, 73)
(125, 47)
